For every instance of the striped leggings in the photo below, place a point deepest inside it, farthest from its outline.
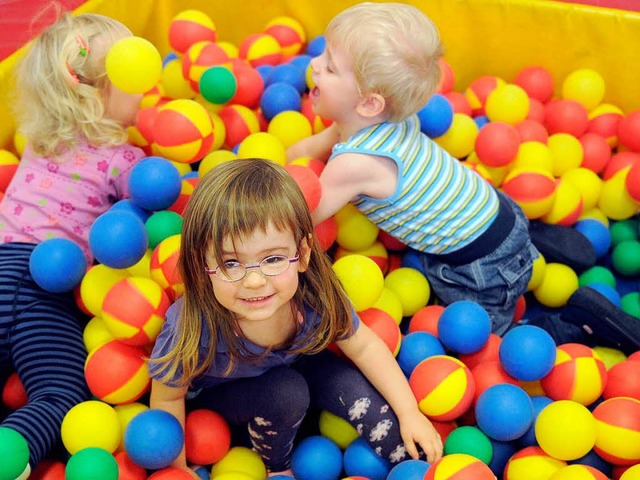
(41, 339)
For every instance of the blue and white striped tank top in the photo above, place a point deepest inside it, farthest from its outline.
(439, 206)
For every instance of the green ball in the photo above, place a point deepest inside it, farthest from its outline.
(597, 274)
(630, 304)
(626, 258)
(624, 230)
(469, 440)
(14, 453)
(218, 85)
(92, 463)
(162, 224)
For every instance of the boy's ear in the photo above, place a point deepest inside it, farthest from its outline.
(305, 254)
(371, 105)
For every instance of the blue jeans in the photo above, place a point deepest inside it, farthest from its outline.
(495, 281)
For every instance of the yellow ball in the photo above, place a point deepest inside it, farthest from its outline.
(134, 65)
(141, 267)
(361, 279)
(355, 231)
(631, 473)
(595, 214)
(585, 86)
(412, 288)
(96, 283)
(507, 103)
(566, 207)
(567, 152)
(610, 356)
(615, 202)
(91, 424)
(95, 333)
(390, 302)
(337, 429)
(588, 183)
(533, 155)
(126, 413)
(460, 139)
(566, 430)
(537, 273)
(558, 283)
(289, 127)
(240, 460)
(213, 159)
(263, 145)
(173, 82)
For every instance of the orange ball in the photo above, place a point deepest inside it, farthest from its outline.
(249, 86)
(207, 437)
(623, 380)
(566, 116)
(536, 81)
(426, 320)
(488, 374)
(326, 233)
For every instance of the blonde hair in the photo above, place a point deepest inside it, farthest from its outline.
(62, 86)
(394, 49)
(234, 199)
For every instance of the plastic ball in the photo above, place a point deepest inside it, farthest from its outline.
(8, 166)
(630, 304)
(411, 286)
(533, 190)
(287, 73)
(632, 182)
(585, 86)
(260, 49)
(57, 265)
(533, 155)
(133, 65)
(390, 303)
(443, 386)
(532, 463)
(488, 374)
(118, 239)
(361, 278)
(478, 91)
(14, 395)
(604, 121)
(153, 439)
(126, 412)
(618, 430)
(95, 285)
(415, 347)
(566, 116)
(189, 27)
(241, 461)
(199, 58)
(539, 402)
(239, 122)
(316, 458)
(504, 412)
(279, 97)
(409, 470)
(507, 103)
(290, 127)
(174, 473)
(308, 182)
(355, 231)
(620, 161)
(326, 233)
(183, 131)
(578, 472)
(426, 319)
(14, 452)
(127, 469)
(536, 81)
(588, 184)
(207, 437)
(164, 266)
(459, 465)
(470, 440)
(316, 46)
(558, 284)
(263, 145)
(218, 85)
(91, 424)
(360, 459)
(154, 183)
(436, 116)
(173, 82)
(527, 353)
(497, 144)
(615, 202)
(464, 327)
(566, 207)
(117, 373)
(249, 86)
(625, 258)
(92, 462)
(597, 234)
(623, 380)
(597, 274)
(596, 152)
(628, 131)
(289, 33)
(566, 151)
(532, 131)
(487, 354)
(161, 225)
(631, 473)
(337, 429)
(460, 138)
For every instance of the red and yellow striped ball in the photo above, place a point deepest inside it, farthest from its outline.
(183, 131)
(604, 120)
(289, 33)
(459, 466)
(200, 57)
(376, 252)
(443, 386)
(579, 374)
(531, 463)
(117, 373)
(566, 207)
(578, 472)
(164, 266)
(239, 122)
(384, 326)
(618, 430)
(133, 310)
(189, 27)
(260, 49)
(186, 189)
(479, 90)
(533, 190)
(141, 134)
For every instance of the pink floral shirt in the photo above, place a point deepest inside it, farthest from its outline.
(53, 199)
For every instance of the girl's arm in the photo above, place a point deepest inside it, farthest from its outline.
(369, 353)
(317, 146)
(171, 400)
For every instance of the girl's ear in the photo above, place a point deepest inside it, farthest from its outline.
(305, 253)
(371, 105)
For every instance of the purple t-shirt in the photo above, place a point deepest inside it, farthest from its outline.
(243, 368)
(61, 199)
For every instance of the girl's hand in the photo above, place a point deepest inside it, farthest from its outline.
(415, 428)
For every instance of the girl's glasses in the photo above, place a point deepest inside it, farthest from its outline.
(270, 266)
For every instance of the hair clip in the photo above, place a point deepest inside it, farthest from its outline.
(83, 46)
(74, 76)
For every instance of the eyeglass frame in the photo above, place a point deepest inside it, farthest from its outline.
(247, 267)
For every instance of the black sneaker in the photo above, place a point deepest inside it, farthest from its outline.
(559, 244)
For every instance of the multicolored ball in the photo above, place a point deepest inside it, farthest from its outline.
(459, 466)
(164, 266)
(240, 122)
(618, 430)
(289, 33)
(189, 27)
(201, 57)
(260, 49)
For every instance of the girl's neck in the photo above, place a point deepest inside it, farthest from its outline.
(270, 333)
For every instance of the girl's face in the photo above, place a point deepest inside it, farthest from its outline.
(257, 297)
(122, 107)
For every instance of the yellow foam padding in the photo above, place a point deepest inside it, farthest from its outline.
(482, 37)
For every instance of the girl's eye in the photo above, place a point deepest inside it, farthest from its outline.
(231, 264)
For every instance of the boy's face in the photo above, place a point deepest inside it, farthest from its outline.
(336, 93)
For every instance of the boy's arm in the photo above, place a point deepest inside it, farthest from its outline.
(317, 146)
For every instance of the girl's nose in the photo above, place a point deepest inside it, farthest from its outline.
(254, 277)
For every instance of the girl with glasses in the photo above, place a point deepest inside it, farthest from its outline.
(249, 338)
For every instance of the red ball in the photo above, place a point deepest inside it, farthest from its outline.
(170, 473)
(444, 429)
(239, 122)
(49, 470)
(390, 242)
(326, 233)
(532, 131)
(479, 90)
(632, 182)
(618, 162)
(249, 86)
(384, 326)
(521, 308)
(596, 152)
(605, 120)
(488, 353)
(186, 189)
(536, 110)
(14, 395)
(459, 102)
(142, 132)
(128, 469)
(488, 374)
(426, 320)
(623, 380)
(447, 78)
(629, 131)
(207, 437)
(566, 116)
(497, 144)
(536, 81)
(308, 182)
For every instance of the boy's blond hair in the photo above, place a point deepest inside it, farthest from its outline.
(61, 85)
(394, 50)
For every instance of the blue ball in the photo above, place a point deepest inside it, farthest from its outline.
(153, 439)
(361, 460)
(316, 46)
(504, 412)
(316, 458)
(502, 452)
(154, 183)
(301, 61)
(128, 205)
(409, 470)
(290, 74)
(264, 71)
(436, 116)
(279, 97)
(464, 327)
(168, 57)
(415, 347)
(527, 353)
(529, 438)
(607, 291)
(597, 233)
(413, 259)
(118, 239)
(202, 472)
(481, 121)
(57, 265)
